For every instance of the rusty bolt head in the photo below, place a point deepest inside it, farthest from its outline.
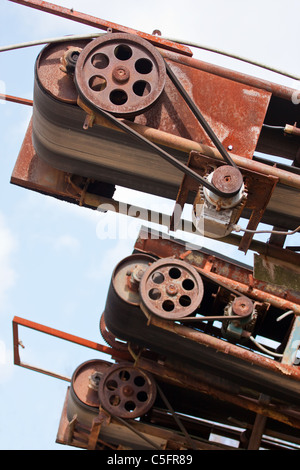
(127, 391)
(227, 179)
(242, 306)
(121, 74)
(172, 289)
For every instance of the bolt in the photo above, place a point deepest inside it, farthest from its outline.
(121, 74)
(172, 289)
(127, 391)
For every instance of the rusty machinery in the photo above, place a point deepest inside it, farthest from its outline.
(187, 314)
(132, 101)
(104, 112)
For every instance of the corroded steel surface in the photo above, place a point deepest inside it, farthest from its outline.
(233, 110)
(242, 306)
(227, 178)
(50, 73)
(81, 380)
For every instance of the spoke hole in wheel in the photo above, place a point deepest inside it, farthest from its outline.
(100, 61)
(123, 52)
(124, 375)
(188, 284)
(129, 406)
(142, 396)
(185, 301)
(143, 66)
(111, 385)
(158, 278)
(174, 273)
(141, 88)
(154, 294)
(139, 381)
(97, 83)
(118, 97)
(114, 400)
(168, 305)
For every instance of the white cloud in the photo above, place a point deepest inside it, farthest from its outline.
(109, 259)
(8, 246)
(67, 242)
(6, 363)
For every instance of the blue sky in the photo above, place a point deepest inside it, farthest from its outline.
(54, 267)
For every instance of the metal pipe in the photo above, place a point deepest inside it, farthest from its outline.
(16, 99)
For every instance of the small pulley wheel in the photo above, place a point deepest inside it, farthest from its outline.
(126, 391)
(120, 73)
(171, 289)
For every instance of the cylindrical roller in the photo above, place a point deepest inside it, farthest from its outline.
(243, 307)
(83, 399)
(127, 275)
(126, 391)
(227, 179)
(171, 289)
(120, 73)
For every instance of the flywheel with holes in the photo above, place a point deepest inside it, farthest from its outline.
(171, 289)
(120, 73)
(126, 391)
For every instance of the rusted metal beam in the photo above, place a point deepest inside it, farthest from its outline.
(89, 20)
(183, 379)
(17, 321)
(16, 99)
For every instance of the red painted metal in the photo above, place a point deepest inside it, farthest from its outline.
(17, 321)
(101, 24)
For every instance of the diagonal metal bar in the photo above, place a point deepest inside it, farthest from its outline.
(99, 23)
